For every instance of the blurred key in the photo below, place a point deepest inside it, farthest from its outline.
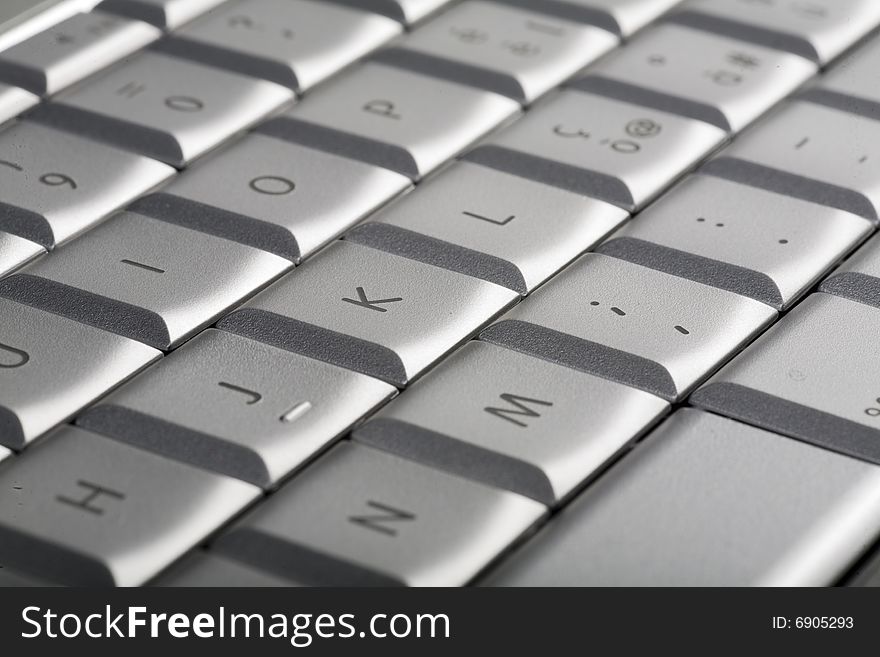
(4, 453)
(72, 50)
(611, 150)
(145, 279)
(393, 118)
(630, 324)
(492, 225)
(725, 82)
(706, 501)
(512, 421)
(621, 17)
(280, 197)
(370, 311)
(51, 367)
(760, 244)
(859, 277)
(237, 407)
(817, 29)
(296, 43)
(167, 108)
(852, 84)
(361, 517)
(205, 569)
(15, 251)
(813, 377)
(167, 14)
(14, 101)
(404, 11)
(519, 54)
(54, 185)
(89, 511)
(811, 152)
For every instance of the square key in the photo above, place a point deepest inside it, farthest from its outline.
(362, 517)
(55, 185)
(295, 43)
(634, 325)
(396, 119)
(149, 280)
(614, 151)
(167, 108)
(84, 510)
(370, 311)
(278, 194)
(490, 224)
(51, 367)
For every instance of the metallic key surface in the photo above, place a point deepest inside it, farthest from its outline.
(813, 152)
(404, 121)
(851, 83)
(72, 50)
(51, 367)
(365, 517)
(620, 16)
(238, 407)
(518, 53)
(723, 81)
(14, 101)
(492, 225)
(812, 377)
(88, 511)
(819, 29)
(296, 43)
(634, 325)
(145, 279)
(205, 569)
(607, 149)
(54, 185)
(279, 193)
(370, 311)
(707, 501)
(513, 421)
(167, 108)
(754, 242)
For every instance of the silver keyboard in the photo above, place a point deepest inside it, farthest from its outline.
(441, 293)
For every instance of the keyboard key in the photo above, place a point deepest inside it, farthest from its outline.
(812, 377)
(512, 421)
(817, 29)
(621, 17)
(393, 118)
(280, 197)
(167, 108)
(706, 501)
(72, 50)
(370, 311)
(167, 14)
(760, 244)
(608, 149)
(87, 511)
(237, 407)
(204, 569)
(54, 185)
(145, 279)
(637, 326)
(722, 81)
(51, 367)
(14, 101)
(404, 11)
(491, 225)
(295, 43)
(811, 152)
(852, 84)
(364, 517)
(15, 251)
(516, 53)
(859, 278)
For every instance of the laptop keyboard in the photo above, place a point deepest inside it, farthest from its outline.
(444, 293)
